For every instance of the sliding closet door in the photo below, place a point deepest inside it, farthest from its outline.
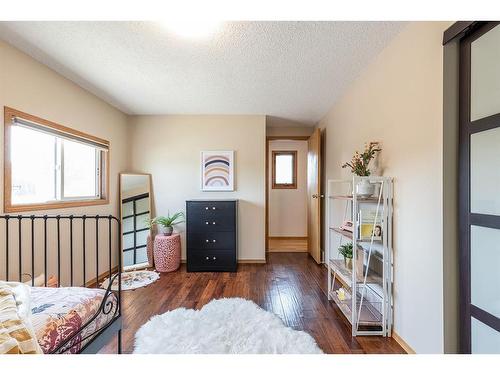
(480, 190)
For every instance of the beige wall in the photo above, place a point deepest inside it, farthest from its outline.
(169, 148)
(31, 87)
(292, 131)
(288, 207)
(277, 126)
(397, 100)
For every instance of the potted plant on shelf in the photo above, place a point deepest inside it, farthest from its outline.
(346, 251)
(359, 166)
(167, 223)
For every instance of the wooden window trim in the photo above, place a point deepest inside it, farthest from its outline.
(9, 113)
(293, 185)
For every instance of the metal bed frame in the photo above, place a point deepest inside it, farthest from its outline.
(13, 225)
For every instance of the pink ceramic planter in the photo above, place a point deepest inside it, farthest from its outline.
(167, 252)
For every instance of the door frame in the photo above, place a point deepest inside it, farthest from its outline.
(466, 218)
(269, 139)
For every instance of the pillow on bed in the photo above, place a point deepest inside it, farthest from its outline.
(16, 331)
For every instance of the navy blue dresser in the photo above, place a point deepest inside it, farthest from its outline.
(211, 235)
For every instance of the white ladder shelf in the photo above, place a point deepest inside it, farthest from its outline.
(362, 291)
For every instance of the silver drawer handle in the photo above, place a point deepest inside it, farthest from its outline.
(207, 240)
(206, 208)
(215, 258)
(213, 208)
(206, 222)
(206, 258)
(213, 223)
(214, 241)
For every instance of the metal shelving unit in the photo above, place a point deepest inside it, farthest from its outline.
(366, 300)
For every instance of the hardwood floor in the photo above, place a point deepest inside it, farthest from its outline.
(291, 285)
(287, 244)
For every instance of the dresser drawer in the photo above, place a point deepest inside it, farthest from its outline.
(211, 260)
(211, 240)
(204, 224)
(210, 209)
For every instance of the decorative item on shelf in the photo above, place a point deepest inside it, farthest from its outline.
(370, 225)
(347, 226)
(217, 170)
(365, 189)
(359, 166)
(346, 251)
(341, 294)
(167, 223)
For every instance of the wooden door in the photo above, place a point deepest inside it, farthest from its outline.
(314, 195)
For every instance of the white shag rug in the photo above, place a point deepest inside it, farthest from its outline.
(223, 326)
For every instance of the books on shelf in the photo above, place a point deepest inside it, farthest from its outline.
(370, 224)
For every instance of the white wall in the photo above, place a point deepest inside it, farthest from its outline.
(31, 87)
(169, 148)
(397, 100)
(288, 207)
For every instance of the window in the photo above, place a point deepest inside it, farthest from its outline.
(284, 169)
(50, 166)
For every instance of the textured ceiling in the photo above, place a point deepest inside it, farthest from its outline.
(292, 70)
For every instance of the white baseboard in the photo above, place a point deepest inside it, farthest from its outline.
(407, 348)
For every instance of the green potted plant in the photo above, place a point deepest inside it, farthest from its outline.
(167, 223)
(346, 251)
(359, 166)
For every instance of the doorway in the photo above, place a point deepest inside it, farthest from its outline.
(293, 197)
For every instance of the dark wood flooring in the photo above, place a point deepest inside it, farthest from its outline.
(291, 285)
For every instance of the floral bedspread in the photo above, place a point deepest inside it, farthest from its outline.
(58, 313)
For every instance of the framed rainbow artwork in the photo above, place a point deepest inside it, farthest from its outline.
(217, 170)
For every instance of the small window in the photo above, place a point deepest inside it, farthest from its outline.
(284, 169)
(50, 166)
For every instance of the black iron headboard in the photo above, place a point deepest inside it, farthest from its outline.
(64, 239)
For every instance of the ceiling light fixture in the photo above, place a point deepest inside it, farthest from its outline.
(192, 27)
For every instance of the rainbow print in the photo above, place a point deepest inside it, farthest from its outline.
(217, 170)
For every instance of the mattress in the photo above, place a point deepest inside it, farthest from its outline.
(58, 313)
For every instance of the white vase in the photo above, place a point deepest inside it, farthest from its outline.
(365, 188)
(167, 231)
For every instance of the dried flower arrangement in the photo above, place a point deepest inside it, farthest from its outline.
(359, 162)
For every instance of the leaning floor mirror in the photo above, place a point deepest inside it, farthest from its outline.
(135, 208)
